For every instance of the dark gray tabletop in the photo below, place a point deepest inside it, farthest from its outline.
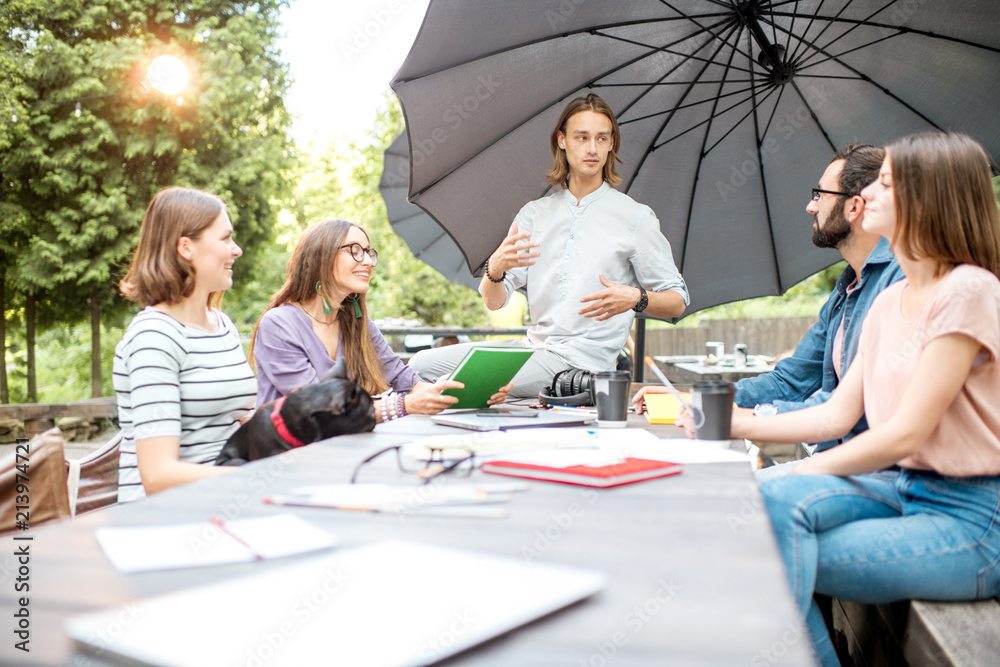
(695, 576)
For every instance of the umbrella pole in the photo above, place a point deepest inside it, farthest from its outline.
(640, 348)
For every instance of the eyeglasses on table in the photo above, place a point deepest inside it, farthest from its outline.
(435, 465)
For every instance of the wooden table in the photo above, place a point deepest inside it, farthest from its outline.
(695, 576)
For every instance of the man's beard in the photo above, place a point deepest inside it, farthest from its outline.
(833, 233)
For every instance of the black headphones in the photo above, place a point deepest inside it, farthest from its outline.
(573, 386)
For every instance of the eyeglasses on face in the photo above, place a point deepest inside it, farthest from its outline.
(435, 465)
(358, 252)
(816, 192)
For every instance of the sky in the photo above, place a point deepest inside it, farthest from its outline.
(342, 56)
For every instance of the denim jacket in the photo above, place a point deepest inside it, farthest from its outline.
(807, 378)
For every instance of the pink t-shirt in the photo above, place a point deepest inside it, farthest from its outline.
(966, 301)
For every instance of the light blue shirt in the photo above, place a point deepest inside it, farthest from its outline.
(609, 233)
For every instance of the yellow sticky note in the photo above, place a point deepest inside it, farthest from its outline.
(662, 408)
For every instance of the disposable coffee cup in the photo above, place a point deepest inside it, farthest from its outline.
(611, 393)
(715, 401)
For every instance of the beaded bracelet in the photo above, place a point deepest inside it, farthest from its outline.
(400, 407)
(491, 278)
(391, 398)
(385, 410)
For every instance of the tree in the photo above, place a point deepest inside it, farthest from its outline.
(89, 143)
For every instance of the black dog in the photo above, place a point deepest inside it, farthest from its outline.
(333, 406)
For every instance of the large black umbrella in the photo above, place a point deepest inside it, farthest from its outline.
(730, 111)
(427, 240)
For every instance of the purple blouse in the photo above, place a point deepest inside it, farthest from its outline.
(289, 355)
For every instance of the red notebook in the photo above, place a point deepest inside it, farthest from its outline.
(617, 474)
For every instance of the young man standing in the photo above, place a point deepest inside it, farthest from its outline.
(589, 257)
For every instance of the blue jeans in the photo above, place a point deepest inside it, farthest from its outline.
(891, 535)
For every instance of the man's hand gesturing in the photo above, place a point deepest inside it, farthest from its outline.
(506, 257)
(607, 303)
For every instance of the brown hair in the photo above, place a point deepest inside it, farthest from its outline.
(943, 196)
(313, 260)
(158, 274)
(560, 170)
(861, 165)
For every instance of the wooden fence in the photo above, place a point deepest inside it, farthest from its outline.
(772, 337)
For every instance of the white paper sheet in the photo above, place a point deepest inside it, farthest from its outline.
(144, 548)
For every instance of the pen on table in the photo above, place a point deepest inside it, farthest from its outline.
(221, 525)
(694, 412)
(572, 408)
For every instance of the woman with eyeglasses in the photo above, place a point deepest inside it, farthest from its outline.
(910, 509)
(320, 316)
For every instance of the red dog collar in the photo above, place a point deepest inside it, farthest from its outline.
(279, 424)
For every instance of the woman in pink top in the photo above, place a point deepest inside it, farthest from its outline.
(926, 376)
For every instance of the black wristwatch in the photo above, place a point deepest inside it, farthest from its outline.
(643, 301)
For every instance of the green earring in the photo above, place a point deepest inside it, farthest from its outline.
(327, 310)
(353, 300)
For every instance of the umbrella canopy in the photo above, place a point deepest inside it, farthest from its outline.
(729, 110)
(428, 241)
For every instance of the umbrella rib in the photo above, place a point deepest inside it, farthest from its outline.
(850, 30)
(666, 49)
(767, 127)
(922, 33)
(734, 45)
(865, 77)
(814, 117)
(844, 53)
(707, 120)
(812, 20)
(828, 76)
(688, 106)
(726, 16)
(763, 181)
(737, 124)
(735, 27)
(701, 158)
(665, 75)
(666, 83)
(791, 29)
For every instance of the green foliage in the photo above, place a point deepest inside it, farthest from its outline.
(63, 363)
(84, 143)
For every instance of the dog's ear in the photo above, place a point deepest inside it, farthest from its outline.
(338, 372)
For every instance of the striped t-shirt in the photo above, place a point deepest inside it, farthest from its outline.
(174, 380)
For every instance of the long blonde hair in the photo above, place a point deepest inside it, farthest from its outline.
(946, 210)
(313, 261)
(560, 169)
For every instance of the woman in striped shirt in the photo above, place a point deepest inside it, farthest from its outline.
(182, 380)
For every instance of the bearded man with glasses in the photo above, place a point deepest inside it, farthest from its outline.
(811, 374)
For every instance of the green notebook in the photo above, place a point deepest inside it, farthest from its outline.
(484, 370)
